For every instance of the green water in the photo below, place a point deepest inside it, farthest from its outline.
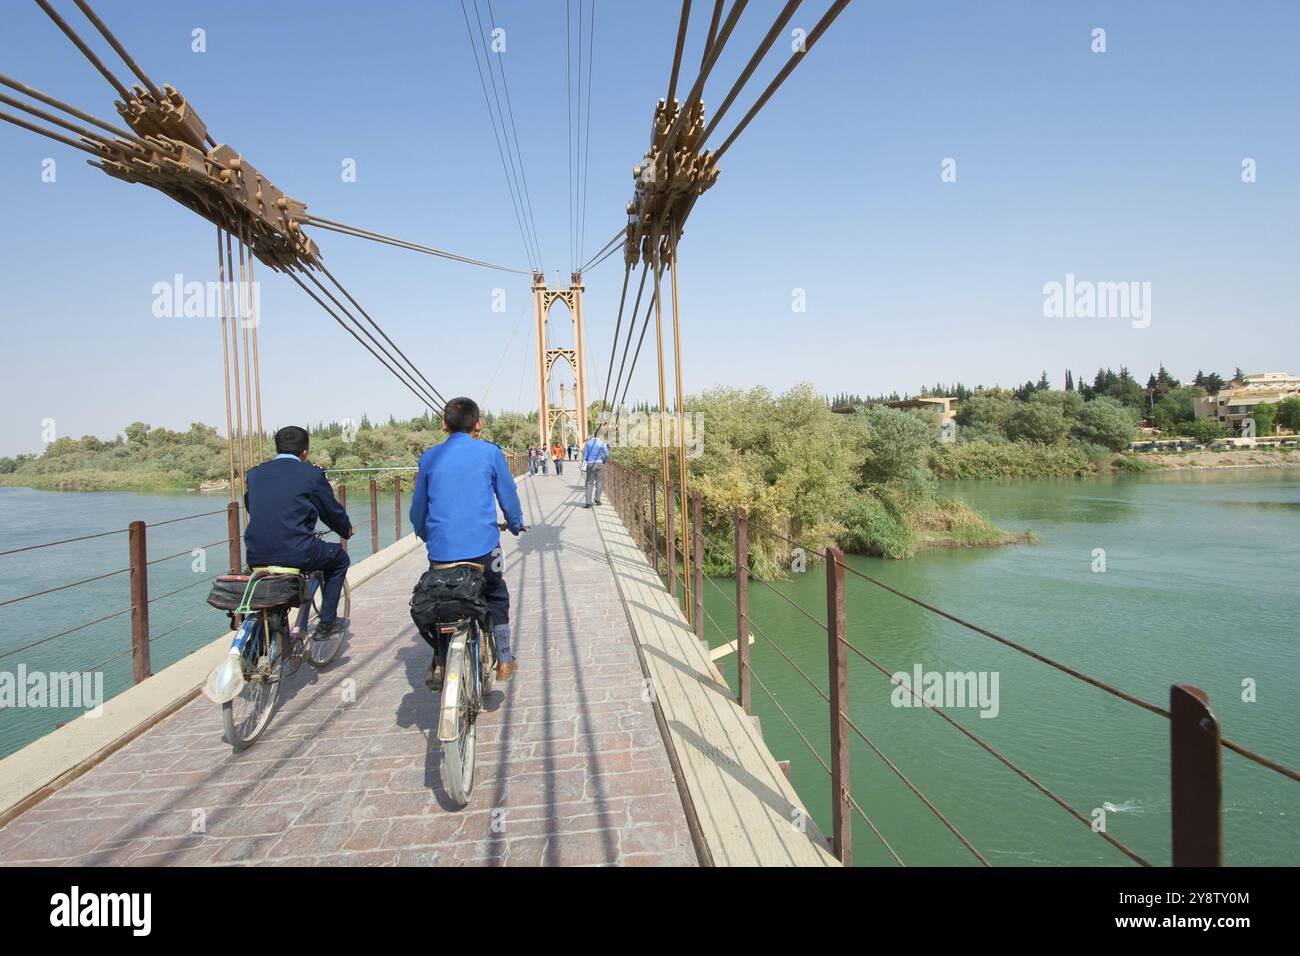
(1199, 587)
(179, 623)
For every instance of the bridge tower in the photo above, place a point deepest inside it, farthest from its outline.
(576, 415)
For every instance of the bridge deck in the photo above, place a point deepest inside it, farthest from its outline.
(572, 768)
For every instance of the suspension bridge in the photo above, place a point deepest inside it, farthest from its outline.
(619, 741)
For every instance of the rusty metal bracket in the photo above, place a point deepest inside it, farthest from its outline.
(665, 186)
(217, 183)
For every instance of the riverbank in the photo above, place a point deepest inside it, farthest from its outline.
(87, 480)
(1234, 458)
(1029, 460)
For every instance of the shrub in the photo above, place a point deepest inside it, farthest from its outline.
(1105, 421)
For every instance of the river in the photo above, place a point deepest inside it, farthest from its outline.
(1199, 586)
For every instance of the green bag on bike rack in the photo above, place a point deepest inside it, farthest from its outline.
(259, 591)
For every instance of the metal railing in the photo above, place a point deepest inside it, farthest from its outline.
(1195, 743)
(139, 563)
(137, 568)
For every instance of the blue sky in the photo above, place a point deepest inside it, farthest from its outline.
(1122, 166)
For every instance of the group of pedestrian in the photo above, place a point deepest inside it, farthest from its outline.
(594, 453)
(541, 459)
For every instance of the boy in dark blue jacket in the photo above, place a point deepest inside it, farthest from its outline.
(284, 499)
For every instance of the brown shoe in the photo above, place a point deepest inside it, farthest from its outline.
(506, 671)
(433, 677)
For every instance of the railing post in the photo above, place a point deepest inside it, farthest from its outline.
(653, 553)
(397, 507)
(139, 601)
(374, 517)
(640, 513)
(841, 822)
(697, 552)
(342, 495)
(1195, 779)
(742, 609)
(232, 531)
(670, 548)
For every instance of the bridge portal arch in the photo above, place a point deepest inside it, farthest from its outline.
(568, 416)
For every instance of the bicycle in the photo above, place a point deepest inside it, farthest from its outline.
(469, 663)
(247, 684)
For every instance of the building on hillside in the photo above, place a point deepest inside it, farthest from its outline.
(1234, 403)
(942, 405)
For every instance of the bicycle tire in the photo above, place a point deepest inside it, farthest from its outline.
(459, 755)
(261, 693)
(487, 662)
(320, 653)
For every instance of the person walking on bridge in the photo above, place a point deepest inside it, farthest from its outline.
(594, 455)
(458, 486)
(557, 454)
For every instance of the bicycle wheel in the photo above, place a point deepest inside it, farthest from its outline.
(320, 653)
(247, 716)
(458, 755)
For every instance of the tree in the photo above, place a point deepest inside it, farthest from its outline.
(137, 434)
(1124, 389)
(1105, 421)
(1178, 406)
(991, 409)
(1070, 403)
(1204, 430)
(1037, 421)
(1069, 380)
(1288, 413)
(1265, 416)
(897, 444)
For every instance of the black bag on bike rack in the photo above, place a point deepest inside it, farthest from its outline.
(259, 590)
(448, 594)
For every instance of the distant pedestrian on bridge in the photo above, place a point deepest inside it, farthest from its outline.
(594, 455)
(557, 453)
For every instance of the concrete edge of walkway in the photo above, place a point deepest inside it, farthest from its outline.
(49, 763)
(687, 656)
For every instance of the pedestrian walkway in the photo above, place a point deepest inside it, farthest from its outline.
(572, 767)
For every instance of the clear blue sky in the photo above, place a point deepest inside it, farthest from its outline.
(1117, 166)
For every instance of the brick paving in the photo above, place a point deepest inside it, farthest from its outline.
(571, 768)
